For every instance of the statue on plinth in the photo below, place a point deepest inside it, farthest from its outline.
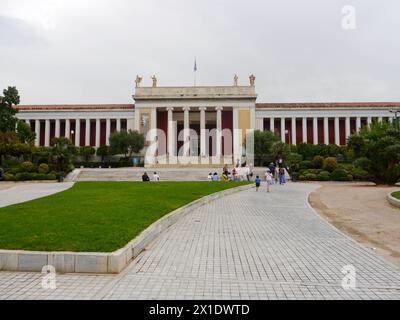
(235, 80)
(137, 81)
(154, 81)
(252, 80)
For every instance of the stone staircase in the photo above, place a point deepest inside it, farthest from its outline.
(166, 174)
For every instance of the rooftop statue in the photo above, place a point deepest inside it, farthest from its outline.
(235, 80)
(137, 81)
(154, 81)
(252, 80)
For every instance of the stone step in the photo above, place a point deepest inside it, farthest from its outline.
(166, 174)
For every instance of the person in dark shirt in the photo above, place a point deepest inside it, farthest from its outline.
(145, 177)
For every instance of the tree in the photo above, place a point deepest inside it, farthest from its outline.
(280, 150)
(126, 142)
(86, 152)
(24, 133)
(9, 99)
(263, 141)
(380, 143)
(62, 153)
(103, 151)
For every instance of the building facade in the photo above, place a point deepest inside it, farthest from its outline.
(201, 124)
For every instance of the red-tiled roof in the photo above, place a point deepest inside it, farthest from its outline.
(76, 107)
(329, 105)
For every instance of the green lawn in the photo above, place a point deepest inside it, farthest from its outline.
(95, 216)
(396, 194)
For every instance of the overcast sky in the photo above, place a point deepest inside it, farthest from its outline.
(89, 51)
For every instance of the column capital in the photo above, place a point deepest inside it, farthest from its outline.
(186, 108)
(202, 108)
(219, 108)
(170, 108)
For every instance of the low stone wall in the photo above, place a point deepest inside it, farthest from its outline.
(97, 262)
(393, 201)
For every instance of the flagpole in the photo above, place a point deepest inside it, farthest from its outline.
(195, 70)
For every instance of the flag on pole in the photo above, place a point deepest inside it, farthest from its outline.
(195, 70)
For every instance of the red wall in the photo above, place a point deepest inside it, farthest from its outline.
(162, 124)
(227, 123)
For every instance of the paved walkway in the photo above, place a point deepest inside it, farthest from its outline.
(22, 192)
(245, 246)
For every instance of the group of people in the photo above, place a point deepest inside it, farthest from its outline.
(145, 177)
(274, 174)
(235, 174)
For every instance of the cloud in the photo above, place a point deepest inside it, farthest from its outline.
(17, 32)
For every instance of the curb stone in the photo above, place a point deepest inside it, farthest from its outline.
(100, 262)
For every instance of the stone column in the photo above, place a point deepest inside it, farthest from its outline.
(118, 128)
(108, 131)
(171, 134)
(337, 131)
(294, 131)
(272, 124)
(315, 130)
(67, 128)
(203, 132)
(130, 124)
(379, 119)
(219, 133)
(237, 150)
(283, 129)
(47, 133)
(347, 127)
(77, 132)
(261, 124)
(369, 120)
(98, 127)
(304, 124)
(57, 129)
(87, 132)
(186, 132)
(358, 124)
(37, 132)
(326, 130)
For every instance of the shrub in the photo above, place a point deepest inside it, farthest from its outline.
(43, 168)
(330, 164)
(15, 170)
(23, 176)
(51, 176)
(324, 176)
(360, 174)
(9, 177)
(306, 164)
(314, 171)
(363, 163)
(318, 162)
(302, 177)
(311, 176)
(341, 175)
(27, 166)
(39, 176)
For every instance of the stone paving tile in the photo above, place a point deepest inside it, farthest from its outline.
(247, 245)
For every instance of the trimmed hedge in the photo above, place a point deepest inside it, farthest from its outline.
(27, 176)
(341, 175)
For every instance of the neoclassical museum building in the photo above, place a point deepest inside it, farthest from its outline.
(200, 123)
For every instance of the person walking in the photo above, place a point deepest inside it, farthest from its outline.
(282, 179)
(268, 178)
(258, 183)
(272, 168)
(248, 173)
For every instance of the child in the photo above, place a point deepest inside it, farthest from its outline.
(268, 178)
(258, 183)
